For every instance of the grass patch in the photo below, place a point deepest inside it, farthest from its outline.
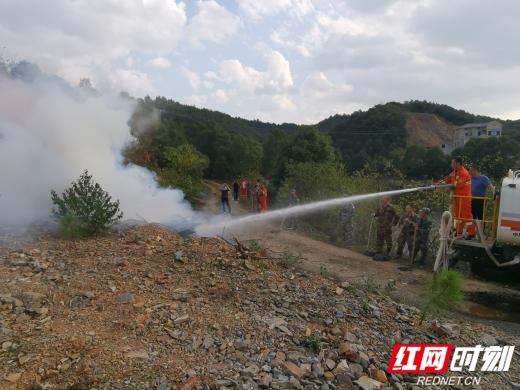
(291, 260)
(254, 246)
(312, 343)
(443, 293)
(324, 272)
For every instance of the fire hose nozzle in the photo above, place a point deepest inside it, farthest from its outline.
(433, 186)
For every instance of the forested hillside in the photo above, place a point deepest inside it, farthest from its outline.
(187, 144)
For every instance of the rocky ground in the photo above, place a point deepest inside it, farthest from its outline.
(147, 309)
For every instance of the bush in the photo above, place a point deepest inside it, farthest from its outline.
(84, 208)
(69, 226)
(185, 169)
(291, 260)
(312, 342)
(254, 246)
(444, 292)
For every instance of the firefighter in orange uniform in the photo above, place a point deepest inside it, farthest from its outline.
(244, 189)
(263, 198)
(461, 179)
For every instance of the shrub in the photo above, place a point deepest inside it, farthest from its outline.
(69, 226)
(312, 342)
(254, 246)
(443, 293)
(84, 208)
(324, 272)
(291, 260)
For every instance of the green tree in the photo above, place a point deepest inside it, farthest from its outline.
(185, 169)
(436, 163)
(85, 208)
(413, 163)
(309, 144)
(245, 156)
(443, 293)
(273, 151)
(450, 114)
(494, 156)
(421, 163)
(306, 145)
(316, 181)
(364, 135)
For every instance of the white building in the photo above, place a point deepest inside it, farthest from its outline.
(470, 131)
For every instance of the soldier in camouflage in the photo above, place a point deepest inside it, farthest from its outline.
(346, 217)
(407, 223)
(386, 217)
(290, 222)
(423, 232)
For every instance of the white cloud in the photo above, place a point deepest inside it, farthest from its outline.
(192, 77)
(513, 115)
(486, 38)
(276, 78)
(279, 71)
(71, 37)
(257, 10)
(159, 62)
(283, 102)
(214, 99)
(211, 23)
(285, 60)
(242, 76)
(220, 96)
(134, 82)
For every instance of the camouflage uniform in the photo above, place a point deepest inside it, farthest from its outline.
(291, 222)
(346, 215)
(421, 241)
(407, 224)
(386, 218)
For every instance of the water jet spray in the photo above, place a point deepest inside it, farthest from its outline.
(213, 228)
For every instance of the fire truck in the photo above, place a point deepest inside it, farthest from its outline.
(495, 250)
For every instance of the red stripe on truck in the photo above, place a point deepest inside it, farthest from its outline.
(513, 225)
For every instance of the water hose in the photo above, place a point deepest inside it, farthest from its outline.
(211, 228)
(370, 235)
(412, 255)
(442, 261)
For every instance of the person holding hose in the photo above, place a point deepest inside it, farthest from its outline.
(461, 180)
(224, 198)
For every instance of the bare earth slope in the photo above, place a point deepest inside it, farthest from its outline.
(428, 130)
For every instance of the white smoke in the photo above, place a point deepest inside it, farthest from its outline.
(49, 134)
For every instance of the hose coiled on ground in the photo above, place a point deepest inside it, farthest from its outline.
(442, 261)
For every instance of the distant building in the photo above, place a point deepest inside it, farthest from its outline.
(472, 130)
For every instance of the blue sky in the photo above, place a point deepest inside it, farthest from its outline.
(278, 60)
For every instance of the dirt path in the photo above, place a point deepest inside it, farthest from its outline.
(404, 284)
